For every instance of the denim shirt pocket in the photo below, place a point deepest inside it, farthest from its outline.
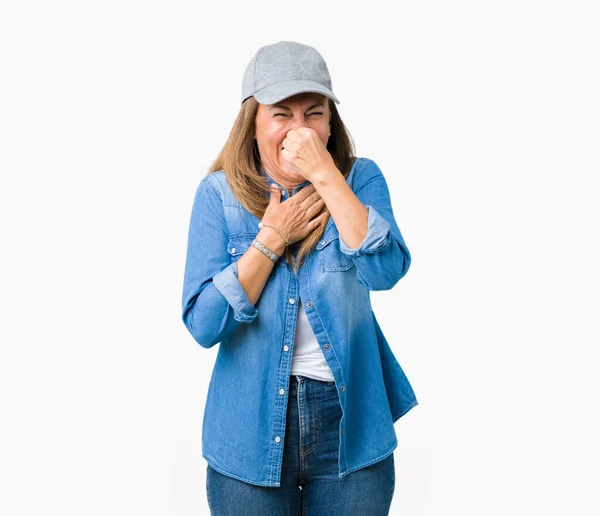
(238, 244)
(330, 256)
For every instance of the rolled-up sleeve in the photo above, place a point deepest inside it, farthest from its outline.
(214, 303)
(382, 258)
(227, 283)
(378, 235)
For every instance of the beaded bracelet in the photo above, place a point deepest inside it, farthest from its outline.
(287, 240)
(264, 249)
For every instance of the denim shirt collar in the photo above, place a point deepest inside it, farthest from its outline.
(298, 187)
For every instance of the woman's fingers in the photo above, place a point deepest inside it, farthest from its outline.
(316, 207)
(317, 220)
(310, 201)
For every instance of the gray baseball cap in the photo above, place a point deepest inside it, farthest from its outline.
(284, 69)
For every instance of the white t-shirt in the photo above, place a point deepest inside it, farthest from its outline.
(307, 358)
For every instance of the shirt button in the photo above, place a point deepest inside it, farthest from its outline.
(342, 388)
(342, 430)
(277, 439)
(292, 300)
(233, 249)
(326, 346)
(301, 264)
(309, 304)
(286, 348)
(281, 391)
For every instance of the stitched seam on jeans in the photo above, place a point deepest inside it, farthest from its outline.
(314, 447)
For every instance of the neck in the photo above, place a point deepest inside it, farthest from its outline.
(284, 180)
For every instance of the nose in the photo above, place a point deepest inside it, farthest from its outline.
(298, 121)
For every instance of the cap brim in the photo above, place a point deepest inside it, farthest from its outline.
(282, 90)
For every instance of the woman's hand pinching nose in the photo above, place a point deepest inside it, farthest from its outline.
(305, 152)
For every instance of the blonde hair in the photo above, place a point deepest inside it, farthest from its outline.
(240, 160)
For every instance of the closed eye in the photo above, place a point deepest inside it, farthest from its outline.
(310, 114)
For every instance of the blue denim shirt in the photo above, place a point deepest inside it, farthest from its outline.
(244, 423)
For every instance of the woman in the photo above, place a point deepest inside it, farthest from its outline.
(289, 233)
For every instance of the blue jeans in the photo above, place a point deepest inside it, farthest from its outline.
(310, 484)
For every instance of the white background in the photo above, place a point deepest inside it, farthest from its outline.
(484, 118)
